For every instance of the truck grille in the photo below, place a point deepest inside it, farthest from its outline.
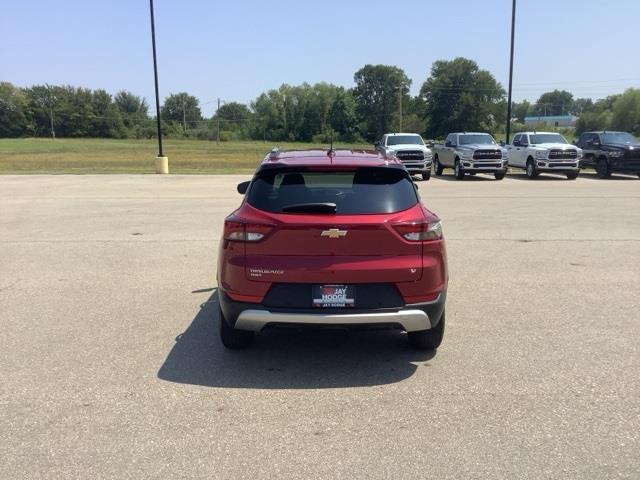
(632, 154)
(487, 155)
(410, 156)
(563, 154)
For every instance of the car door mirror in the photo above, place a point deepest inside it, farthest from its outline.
(502, 144)
(448, 144)
(243, 187)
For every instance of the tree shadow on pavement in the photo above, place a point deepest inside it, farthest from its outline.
(289, 358)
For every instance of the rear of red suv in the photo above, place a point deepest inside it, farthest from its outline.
(335, 238)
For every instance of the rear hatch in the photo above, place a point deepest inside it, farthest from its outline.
(333, 227)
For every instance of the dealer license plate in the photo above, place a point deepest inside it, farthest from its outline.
(334, 296)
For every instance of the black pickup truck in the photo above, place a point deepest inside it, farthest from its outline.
(610, 152)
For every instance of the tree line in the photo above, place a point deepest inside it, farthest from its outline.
(457, 96)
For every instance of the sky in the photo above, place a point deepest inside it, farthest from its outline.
(235, 50)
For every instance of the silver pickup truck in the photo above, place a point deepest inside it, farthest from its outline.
(470, 153)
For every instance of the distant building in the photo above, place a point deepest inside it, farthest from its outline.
(552, 120)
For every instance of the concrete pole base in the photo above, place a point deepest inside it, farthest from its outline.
(162, 164)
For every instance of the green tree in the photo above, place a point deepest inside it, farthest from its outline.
(589, 121)
(133, 109)
(519, 110)
(377, 96)
(626, 112)
(342, 117)
(558, 102)
(581, 105)
(13, 106)
(182, 108)
(460, 96)
(106, 120)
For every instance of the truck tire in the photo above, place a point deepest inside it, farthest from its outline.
(499, 175)
(426, 175)
(428, 339)
(437, 166)
(458, 171)
(233, 338)
(532, 171)
(572, 175)
(602, 168)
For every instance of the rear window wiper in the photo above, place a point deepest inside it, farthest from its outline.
(326, 207)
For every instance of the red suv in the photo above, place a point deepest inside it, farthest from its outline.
(332, 238)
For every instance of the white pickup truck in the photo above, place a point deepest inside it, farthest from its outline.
(470, 153)
(410, 149)
(537, 152)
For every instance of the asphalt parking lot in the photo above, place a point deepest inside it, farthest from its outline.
(112, 368)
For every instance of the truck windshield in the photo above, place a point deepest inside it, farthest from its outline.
(405, 140)
(619, 137)
(546, 138)
(482, 139)
(361, 190)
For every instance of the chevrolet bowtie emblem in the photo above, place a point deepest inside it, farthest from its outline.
(333, 233)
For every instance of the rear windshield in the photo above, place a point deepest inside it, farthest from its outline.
(365, 190)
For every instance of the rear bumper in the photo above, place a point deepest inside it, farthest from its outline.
(254, 317)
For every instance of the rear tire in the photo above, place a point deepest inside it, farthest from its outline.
(532, 171)
(458, 171)
(428, 339)
(572, 175)
(602, 168)
(426, 175)
(233, 338)
(438, 167)
(499, 175)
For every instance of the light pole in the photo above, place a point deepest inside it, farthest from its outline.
(162, 162)
(513, 29)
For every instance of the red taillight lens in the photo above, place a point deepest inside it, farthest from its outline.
(239, 231)
(420, 231)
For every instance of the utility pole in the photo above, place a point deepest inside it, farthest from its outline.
(53, 132)
(162, 162)
(400, 92)
(184, 117)
(513, 29)
(218, 119)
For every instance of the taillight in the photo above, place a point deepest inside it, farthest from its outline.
(238, 231)
(420, 231)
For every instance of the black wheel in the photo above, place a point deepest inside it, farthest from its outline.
(532, 171)
(426, 175)
(428, 339)
(572, 175)
(602, 168)
(499, 175)
(232, 338)
(638, 174)
(458, 171)
(438, 167)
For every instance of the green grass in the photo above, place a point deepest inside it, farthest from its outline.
(39, 155)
